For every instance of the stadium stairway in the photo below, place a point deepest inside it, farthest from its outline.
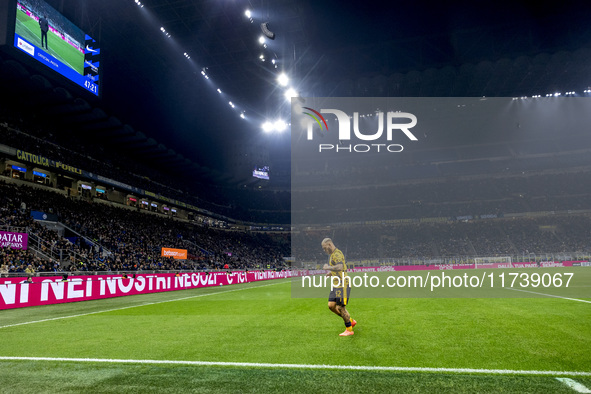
(203, 250)
(89, 241)
(471, 247)
(514, 249)
(45, 250)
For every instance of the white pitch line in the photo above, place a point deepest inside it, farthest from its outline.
(302, 366)
(549, 295)
(135, 306)
(573, 384)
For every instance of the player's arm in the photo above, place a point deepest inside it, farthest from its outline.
(336, 267)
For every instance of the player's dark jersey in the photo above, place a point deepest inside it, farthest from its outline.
(44, 24)
(337, 257)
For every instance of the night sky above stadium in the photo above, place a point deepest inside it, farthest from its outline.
(322, 46)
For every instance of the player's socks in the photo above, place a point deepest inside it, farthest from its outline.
(349, 326)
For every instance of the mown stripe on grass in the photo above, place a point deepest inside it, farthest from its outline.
(136, 306)
(304, 366)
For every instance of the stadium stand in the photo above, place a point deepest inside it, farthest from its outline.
(475, 214)
(525, 238)
(118, 239)
(518, 197)
(28, 136)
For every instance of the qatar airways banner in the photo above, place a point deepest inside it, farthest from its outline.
(14, 240)
(14, 293)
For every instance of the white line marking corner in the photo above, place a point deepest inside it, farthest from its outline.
(573, 384)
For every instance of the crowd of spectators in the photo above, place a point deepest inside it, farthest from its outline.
(413, 187)
(254, 206)
(459, 197)
(17, 261)
(109, 238)
(520, 236)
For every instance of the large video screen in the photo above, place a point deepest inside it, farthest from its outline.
(261, 172)
(50, 38)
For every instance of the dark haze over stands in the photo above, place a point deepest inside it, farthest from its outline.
(551, 182)
(526, 193)
(443, 180)
(75, 151)
(526, 237)
(487, 237)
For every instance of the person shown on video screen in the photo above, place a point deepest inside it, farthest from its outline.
(44, 25)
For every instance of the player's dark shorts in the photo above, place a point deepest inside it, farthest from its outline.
(340, 295)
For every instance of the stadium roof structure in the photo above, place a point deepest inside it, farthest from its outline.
(171, 68)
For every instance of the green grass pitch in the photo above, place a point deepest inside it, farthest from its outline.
(29, 29)
(261, 323)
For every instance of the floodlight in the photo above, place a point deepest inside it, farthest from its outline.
(267, 127)
(283, 79)
(279, 125)
(291, 92)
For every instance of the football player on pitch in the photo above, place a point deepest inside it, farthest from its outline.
(339, 295)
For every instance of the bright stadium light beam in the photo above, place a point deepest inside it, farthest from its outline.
(290, 93)
(267, 127)
(248, 13)
(280, 125)
(261, 40)
(283, 79)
